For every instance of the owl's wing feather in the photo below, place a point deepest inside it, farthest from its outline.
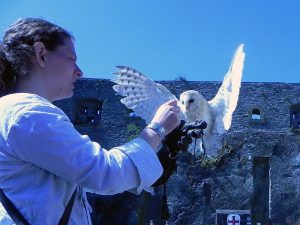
(142, 94)
(225, 101)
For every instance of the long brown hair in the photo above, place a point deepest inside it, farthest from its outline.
(16, 49)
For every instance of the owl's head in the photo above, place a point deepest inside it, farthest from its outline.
(191, 101)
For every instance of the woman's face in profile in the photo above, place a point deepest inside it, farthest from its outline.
(61, 70)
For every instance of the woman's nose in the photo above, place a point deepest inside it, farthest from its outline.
(78, 71)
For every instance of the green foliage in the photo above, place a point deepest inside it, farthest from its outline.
(132, 131)
(208, 162)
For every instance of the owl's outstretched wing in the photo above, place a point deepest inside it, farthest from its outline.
(142, 95)
(225, 101)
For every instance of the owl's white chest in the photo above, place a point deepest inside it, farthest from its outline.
(201, 113)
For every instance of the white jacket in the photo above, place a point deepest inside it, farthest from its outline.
(43, 159)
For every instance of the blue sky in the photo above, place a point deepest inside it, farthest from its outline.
(166, 39)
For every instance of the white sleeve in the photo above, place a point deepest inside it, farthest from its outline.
(45, 137)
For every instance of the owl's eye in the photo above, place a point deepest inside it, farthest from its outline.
(191, 101)
(182, 102)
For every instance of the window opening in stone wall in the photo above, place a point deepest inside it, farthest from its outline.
(295, 117)
(88, 112)
(261, 185)
(255, 114)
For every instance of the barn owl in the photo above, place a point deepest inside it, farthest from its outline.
(144, 96)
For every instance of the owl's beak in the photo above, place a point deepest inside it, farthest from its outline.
(187, 106)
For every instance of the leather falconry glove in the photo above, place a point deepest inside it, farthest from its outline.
(178, 140)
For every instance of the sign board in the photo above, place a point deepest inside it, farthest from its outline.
(233, 217)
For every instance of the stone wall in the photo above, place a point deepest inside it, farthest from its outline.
(258, 168)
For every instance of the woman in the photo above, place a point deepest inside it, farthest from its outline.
(43, 159)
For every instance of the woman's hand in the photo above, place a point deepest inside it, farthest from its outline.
(168, 115)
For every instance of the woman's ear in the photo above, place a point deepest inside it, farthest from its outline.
(39, 52)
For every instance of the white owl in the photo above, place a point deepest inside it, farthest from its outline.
(144, 96)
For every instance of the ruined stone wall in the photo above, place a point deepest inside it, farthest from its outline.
(258, 168)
